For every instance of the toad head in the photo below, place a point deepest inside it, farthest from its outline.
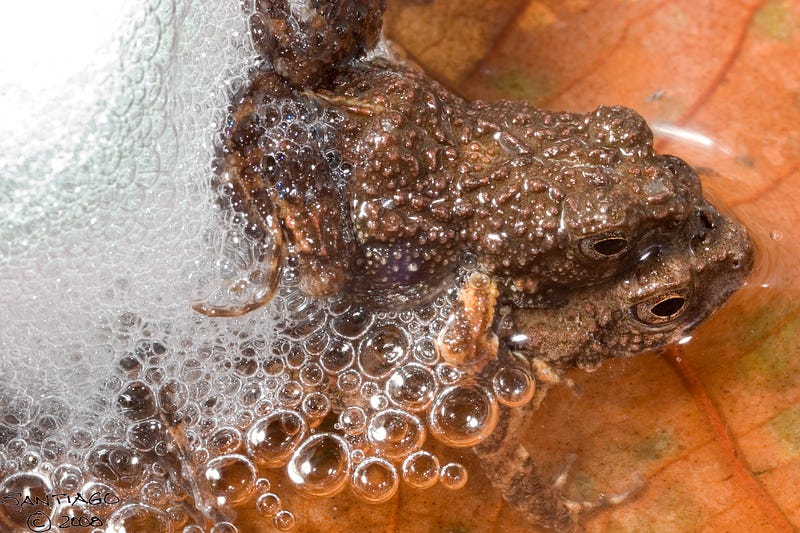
(576, 199)
(672, 287)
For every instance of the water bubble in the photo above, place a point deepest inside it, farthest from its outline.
(67, 478)
(269, 504)
(468, 261)
(296, 302)
(16, 447)
(189, 415)
(357, 455)
(244, 419)
(265, 407)
(227, 384)
(382, 350)
(448, 374)
(120, 466)
(271, 385)
(352, 420)
(139, 518)
(317, 342)
(369, 389)
(337, 306)
(161, 448)
(316, 405)
(136, 401)
(337, 358)
(353, 323)
(154, 492)
(421, 469)
(113, 428)
(129, 367)
(212, 405)
(263, 485)
(230, 478)
(453, 476)
(245, 366)
(296, 357)
(395, 433)
(348, 381)
(104, 500)
(290, 394)
(154, 376)
(191, 370)
(251, 393)
(178, 515)
(17, 490)
(272, 439)
(16, 407)
(193, 529)
(207, 426)
(80, 438)
(274, 367)
(463, 415)
(375, 480)
(225, 440)
(284, 520)
(302, 325)
(378, 402)
(406, 316)
(30, 460)
(54, 449)
(321, 466)
(513, 386)
(311, 375)
(223, 527)
(411, 387)
(200, 455)
(144, 435)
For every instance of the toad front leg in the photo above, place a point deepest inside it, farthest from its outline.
(467, 338)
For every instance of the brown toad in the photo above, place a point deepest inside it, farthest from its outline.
(395, 180)
(570, 239)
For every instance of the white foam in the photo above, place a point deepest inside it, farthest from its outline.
(108, 128)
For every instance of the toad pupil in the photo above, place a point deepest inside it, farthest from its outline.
(462, 255)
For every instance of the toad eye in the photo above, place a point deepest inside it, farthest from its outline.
(604, 246)
(661, 309)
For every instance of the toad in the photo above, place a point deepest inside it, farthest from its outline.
(379, 186)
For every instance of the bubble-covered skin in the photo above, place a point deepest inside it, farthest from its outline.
(416, 177)
(305, 41)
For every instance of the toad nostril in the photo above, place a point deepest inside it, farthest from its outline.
(699, 239)
(668, 307)
(706, 219)
(705, 228)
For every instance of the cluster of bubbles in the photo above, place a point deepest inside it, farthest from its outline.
(111, 387)
(188, 424)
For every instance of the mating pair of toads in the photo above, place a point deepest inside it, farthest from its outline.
(571, 241)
